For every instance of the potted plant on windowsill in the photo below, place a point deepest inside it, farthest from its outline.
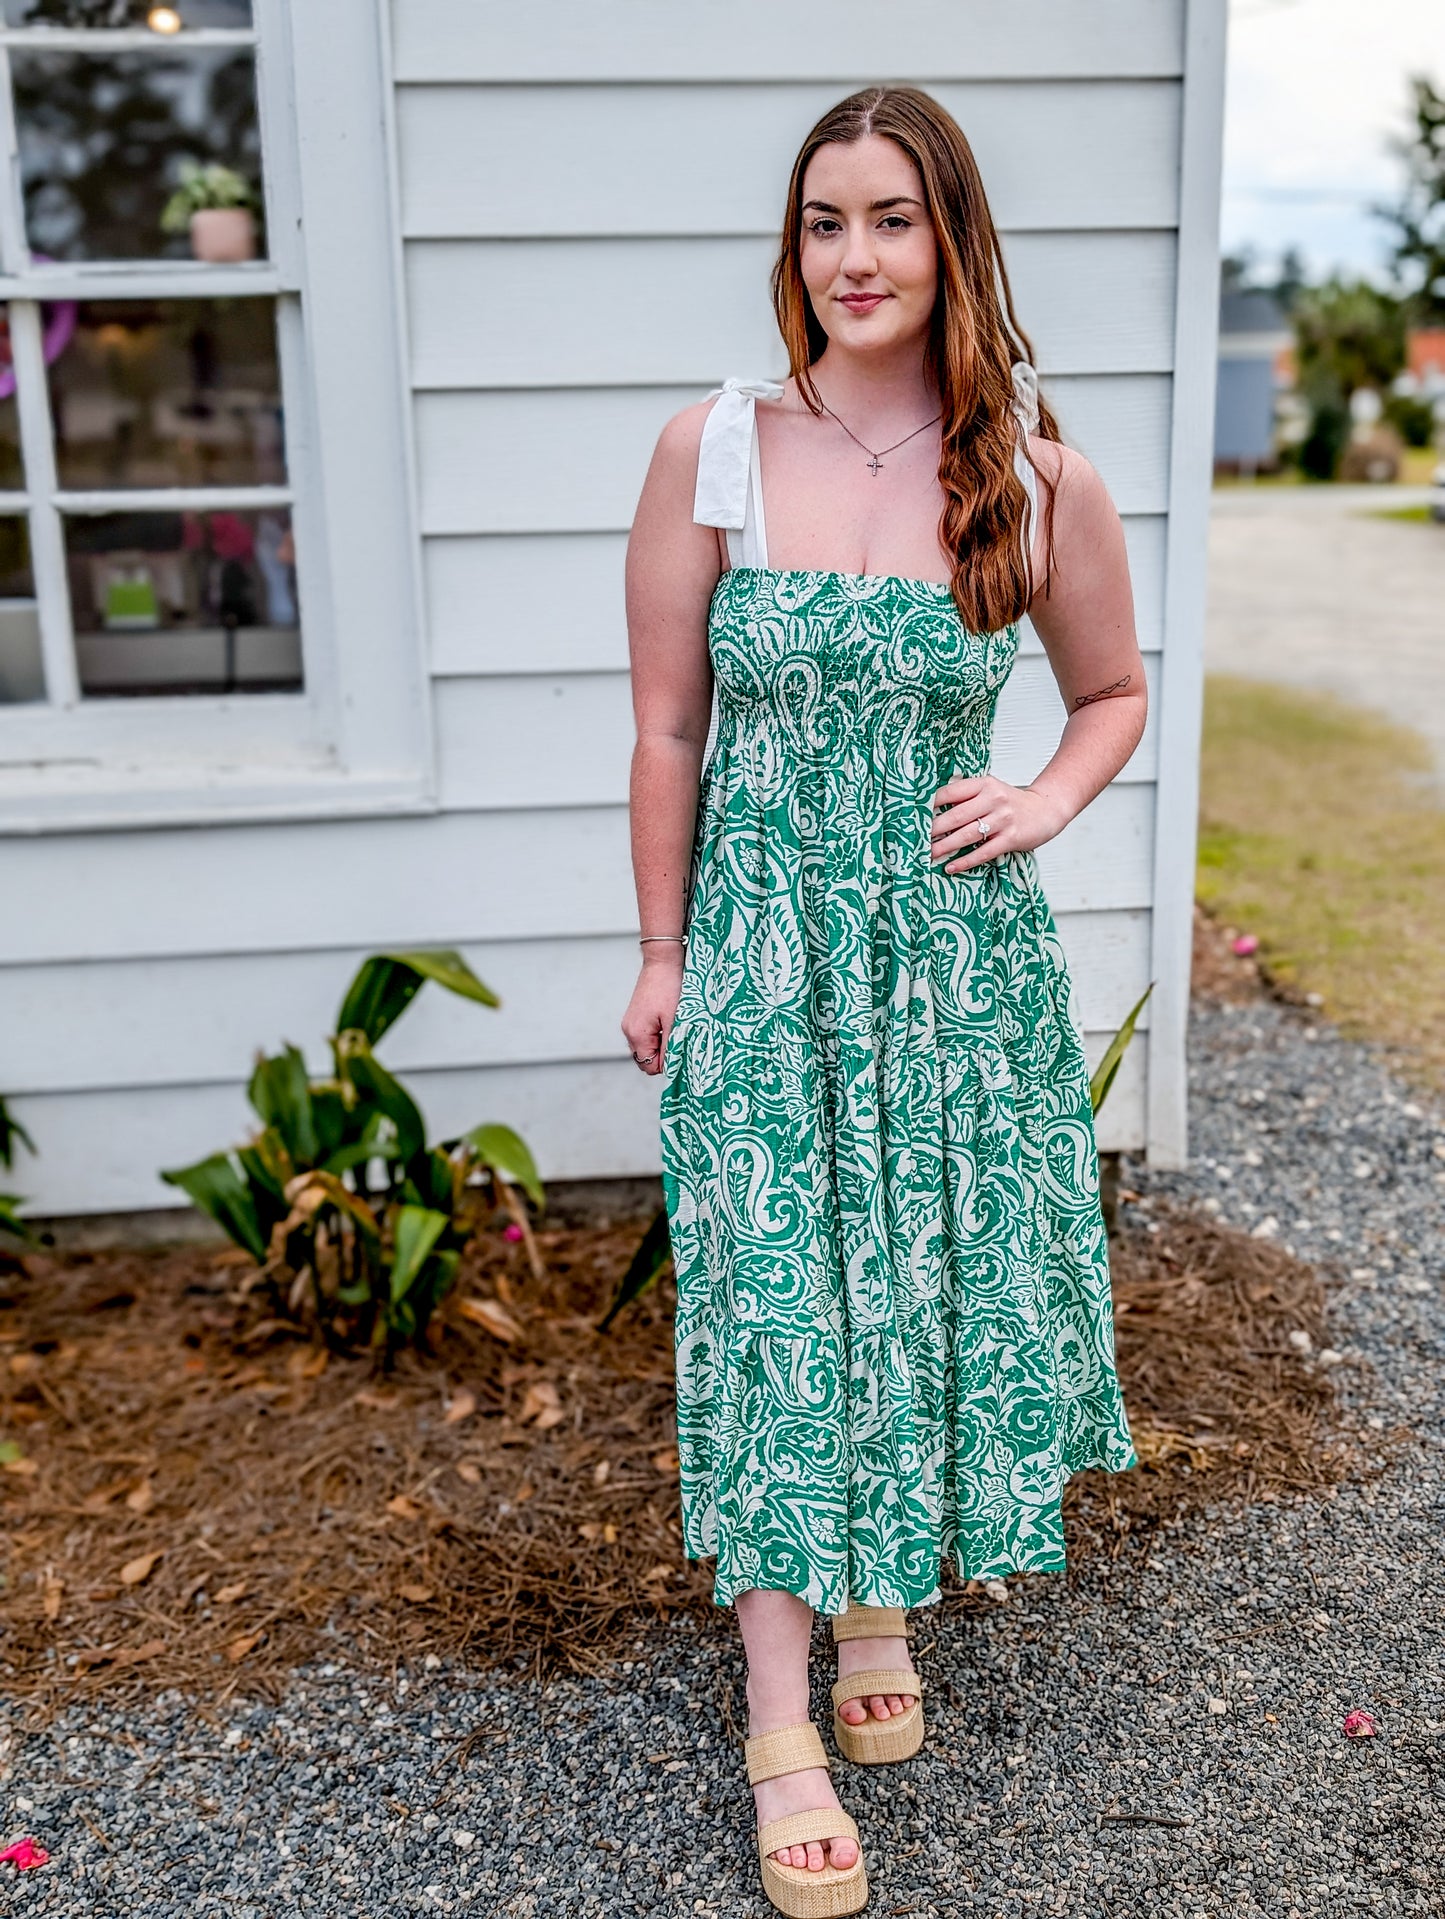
(218, 207)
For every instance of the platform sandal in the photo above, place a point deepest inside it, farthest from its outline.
(796, 1890)
(877, 1741)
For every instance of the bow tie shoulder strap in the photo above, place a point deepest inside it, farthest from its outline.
(1026, 396)
(721, 495)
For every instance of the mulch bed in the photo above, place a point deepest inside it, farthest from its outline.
(204, 1498)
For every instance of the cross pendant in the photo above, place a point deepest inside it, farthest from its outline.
(873, 466)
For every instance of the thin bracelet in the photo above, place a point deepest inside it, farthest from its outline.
(681, 938)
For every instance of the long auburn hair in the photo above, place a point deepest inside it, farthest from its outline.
(974, 339)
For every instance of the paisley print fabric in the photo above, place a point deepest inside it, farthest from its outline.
(894, 1333)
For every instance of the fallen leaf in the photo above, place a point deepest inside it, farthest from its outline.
(379, 1401)
(1360, 1725)
(9, 1451)
(238, 1648)
(666, 1461)
(506, 1292)
(658, 1572)
(52, 1592)
(308, 1365)
(609, 1533)
(467, 1470)
(600, 1472)
(20, 1468)
(403, 1508)
(542, 1403)
(136, 1571)
(417, 1595)
(142, 1498)
(133, 1655)
(492, 1316)
(24, 1365)
(463, 1405)
(233, 1256)
(524, 1492)
(590, 1529)
(228, 1595)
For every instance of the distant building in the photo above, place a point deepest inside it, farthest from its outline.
(1424, 373)
(1253, 334)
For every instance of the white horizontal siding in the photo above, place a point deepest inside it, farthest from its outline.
(583, 1120)
(580, 40)
(589, 312)
(562, 1000)
(486, 614)
(451, 880)
(530, 461)
(615, 160)
(489, 732)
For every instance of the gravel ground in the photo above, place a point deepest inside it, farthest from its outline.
(1199, 1684)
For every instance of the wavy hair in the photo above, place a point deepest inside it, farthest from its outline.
(974, 340)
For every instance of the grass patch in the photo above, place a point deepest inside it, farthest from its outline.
(1322, 832)
(1416, 515)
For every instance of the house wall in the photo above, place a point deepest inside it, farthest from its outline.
(588, 200)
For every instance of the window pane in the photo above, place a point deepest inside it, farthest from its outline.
(12, 472)
(106, 139)
(126, 13)
(22, 677)
(184, 602)
(169, 393)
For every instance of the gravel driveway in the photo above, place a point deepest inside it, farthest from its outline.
(1200, 1684)
(1309, 588)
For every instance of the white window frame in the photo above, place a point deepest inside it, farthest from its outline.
(358, 737)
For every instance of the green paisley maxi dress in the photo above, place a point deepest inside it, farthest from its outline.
(894, 1333)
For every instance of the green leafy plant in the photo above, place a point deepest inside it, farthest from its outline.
(204, 187)
(11, 1134)
(346, 1210)
(655, 1251)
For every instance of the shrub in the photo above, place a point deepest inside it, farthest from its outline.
(351, 1217)
(11, 1133)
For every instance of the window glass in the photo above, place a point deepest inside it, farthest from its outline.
(22, 676)
(184, 602)
(127, 13)
(12, 472)
(169, 393)
(107, 139)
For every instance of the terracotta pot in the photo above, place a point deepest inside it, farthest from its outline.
(223, 234)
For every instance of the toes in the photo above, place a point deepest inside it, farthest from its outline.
(895, 1704)
(879, 1707)
(853, 1711)
(842, 1853)
(816, 1861)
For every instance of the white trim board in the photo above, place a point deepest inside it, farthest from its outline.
(1186, 569)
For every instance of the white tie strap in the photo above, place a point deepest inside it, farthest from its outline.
(725, 453)
(1026, 395)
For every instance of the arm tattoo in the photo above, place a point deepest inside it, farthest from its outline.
(1087, 699)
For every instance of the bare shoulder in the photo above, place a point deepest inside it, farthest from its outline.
(1082, 506)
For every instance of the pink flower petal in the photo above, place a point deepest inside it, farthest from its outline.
(512, 1232)
(23, 1855)
(1360, 1725)
(1245, 945)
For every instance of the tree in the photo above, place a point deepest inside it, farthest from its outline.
(1348, 334)
(1419, 215)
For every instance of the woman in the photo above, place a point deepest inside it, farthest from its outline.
(894, 1337)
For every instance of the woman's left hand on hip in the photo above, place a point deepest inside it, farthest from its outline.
(989, 817)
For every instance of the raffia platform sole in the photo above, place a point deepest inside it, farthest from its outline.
(877, 1742)
(794, 1889)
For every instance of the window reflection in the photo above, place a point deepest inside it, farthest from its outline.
(22, 676)
(124, 13)
(169, 393)
(12, 472)
(104, 141)
(184, 602)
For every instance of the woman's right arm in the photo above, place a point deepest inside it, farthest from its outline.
(672, 569)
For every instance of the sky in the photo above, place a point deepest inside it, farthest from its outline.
(1315, 89)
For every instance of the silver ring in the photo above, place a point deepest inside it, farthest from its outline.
(981, 827)
(644, 1062)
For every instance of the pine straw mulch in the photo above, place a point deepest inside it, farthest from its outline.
(203, 1499)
